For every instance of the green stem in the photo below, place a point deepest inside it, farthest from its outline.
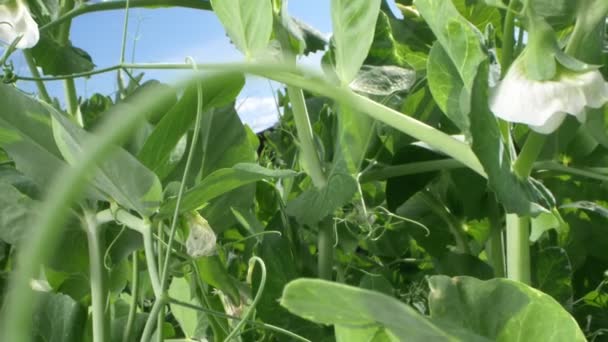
(325, 246)
(95, 243)
(310, 157)
(42, 92)
(310, 81)
(116, 5)
(518, 248)
(69, 85)
(508, 37)
(151, 263)
(128, 333)
(409, 169)
(149, 328)
(256, 299)
(529, 154)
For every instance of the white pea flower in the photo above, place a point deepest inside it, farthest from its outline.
(201, 241)
(543, 105)
(15, 21)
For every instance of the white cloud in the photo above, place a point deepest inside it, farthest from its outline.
(258, 112)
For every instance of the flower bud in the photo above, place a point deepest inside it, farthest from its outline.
(201, 240)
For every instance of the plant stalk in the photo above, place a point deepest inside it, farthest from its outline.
(42, 92)
(309, 156)
(518, 248)
(128, 333)
(95, 240)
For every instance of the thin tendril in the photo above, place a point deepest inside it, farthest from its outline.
(258, 295)
(107, 253)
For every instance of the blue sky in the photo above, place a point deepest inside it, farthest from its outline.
(170, 35)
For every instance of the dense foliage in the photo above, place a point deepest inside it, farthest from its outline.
(387, 204)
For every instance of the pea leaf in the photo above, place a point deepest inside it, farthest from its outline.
(221, 182)
(14, 213)
(353, 23)
(122, 177)
(55, 59)
(247, 22)
(217, 92)
(59, 318)
(524, 314)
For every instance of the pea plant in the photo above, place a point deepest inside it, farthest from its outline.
(441, 176)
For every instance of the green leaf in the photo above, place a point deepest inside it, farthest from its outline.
(460, 40)
(55, 59)
(186, 317)
(353, 23)
(247, 22)
(59, 318)
(26, 136)
(333, 303)
(214, 273)
(122, 177)
(217, 92)
(15, 213)
(221, 182)
(374, 334)
(448, 89)
(500, 310)
(315, 204)
(552, 273)
(479, 13)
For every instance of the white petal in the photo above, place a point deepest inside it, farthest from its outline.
(15, 21)
(544, 105)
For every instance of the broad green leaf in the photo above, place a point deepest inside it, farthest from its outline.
(448, 89)
(217, 92)
(59, 318)
(338, 304)
(214, 273)
(500, 310)
(186, 317)
(122, 177)
(353, 23)
(559, 13)
(15, 212)
(26, 136)
(315, 204)
(479, 13)
(552, 273)
(55, 59)
(248, 23)
(221, 182)
(356, 132)
(458, 37)
(345, 333)
(398, 42)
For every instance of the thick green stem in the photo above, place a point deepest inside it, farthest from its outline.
(508, 37)
(159, 304)
(116, 5)
(95, 240)
(325, 246)
(151, 263)
(128, 333)
(518, 248)
(529, 154)
(42, 92)
(309, 156)
(69, 86)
